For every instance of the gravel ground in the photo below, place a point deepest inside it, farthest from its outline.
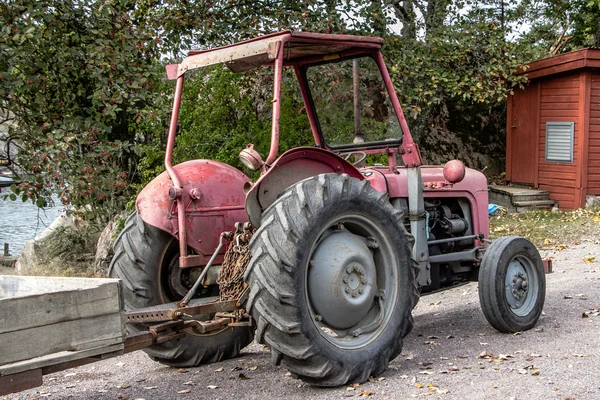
(452, 353)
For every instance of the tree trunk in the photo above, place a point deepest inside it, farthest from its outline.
(437, 10)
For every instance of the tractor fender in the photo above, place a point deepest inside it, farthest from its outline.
(292, 167)
(213, 194)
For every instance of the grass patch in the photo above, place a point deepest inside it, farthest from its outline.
(548, 229)
(67, 251)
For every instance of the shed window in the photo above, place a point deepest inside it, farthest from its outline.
(559, 141)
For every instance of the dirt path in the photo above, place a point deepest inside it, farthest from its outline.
(445, 356)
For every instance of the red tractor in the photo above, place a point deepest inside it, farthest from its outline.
(323, 257)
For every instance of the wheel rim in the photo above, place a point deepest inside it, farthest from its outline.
(521, 285)
(174, 283)
(351, 281)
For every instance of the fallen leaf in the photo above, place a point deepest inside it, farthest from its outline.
(567, 297)
(220, 369)
(449, 337)
(350, 389)
(123, 387)
(535, 372)
(151, 387)
(212, 387)
(522, 371)
(366, 393)
(236, 369)
(381, 378)
(184, 391)
(409, 356)
(253, 368)
(242, 376)
(182, 370)
(433, 337)
(69, 386)
(453, 368)
(589, 259)
(189, 383)
(418, 385)
(70, 374)
(442, 391)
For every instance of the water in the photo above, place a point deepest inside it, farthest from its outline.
(21, 222)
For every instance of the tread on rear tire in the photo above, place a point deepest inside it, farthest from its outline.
(277, 276)
(141, 252)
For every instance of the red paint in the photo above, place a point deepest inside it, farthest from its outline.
(472, 187)
(293, 166)
(563, 88)
(410, 151)
(219, 189)
(454, 171)
(276, 106)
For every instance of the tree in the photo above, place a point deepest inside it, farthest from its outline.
(77, 76)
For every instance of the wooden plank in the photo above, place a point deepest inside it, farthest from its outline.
(568, 83)
(554, 167)
(538, 103)
(582, 141)
(557, 69)
(81, 334)
(556, 175)
(559, 106)
(59, 358)
(99, 297)
(559, 113)
(509, 136)
(21, 381)
(560, 91)
(558, 185)
(560, 99)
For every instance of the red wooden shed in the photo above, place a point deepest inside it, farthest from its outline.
(553, 128)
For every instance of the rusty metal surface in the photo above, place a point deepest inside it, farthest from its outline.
(258, 51)
(174, 312)
(231, 275)
(220, 203)
(292, 167)
(138, 341)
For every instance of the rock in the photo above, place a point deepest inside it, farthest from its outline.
(32, 255)
(591, 201)
(105, 246)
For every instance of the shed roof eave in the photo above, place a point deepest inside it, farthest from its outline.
(584, 58)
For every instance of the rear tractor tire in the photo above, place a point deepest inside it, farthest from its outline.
(512, 284)
(332, 281)
(146, 260)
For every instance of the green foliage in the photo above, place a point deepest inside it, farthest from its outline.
(222, 112)
(84, 81)
(77, 76)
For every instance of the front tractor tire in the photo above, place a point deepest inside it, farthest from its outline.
(332, 281)
(512, 284)
(146, 260)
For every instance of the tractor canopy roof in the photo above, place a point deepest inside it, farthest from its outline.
(263, 50)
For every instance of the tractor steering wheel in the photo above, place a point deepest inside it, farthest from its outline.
(347, 156)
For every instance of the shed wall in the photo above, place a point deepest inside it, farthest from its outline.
(559, 102)
(594, 138)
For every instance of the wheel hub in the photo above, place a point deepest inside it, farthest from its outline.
(342, 280)
(517, 284)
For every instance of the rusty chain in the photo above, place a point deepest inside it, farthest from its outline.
(231, 276)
